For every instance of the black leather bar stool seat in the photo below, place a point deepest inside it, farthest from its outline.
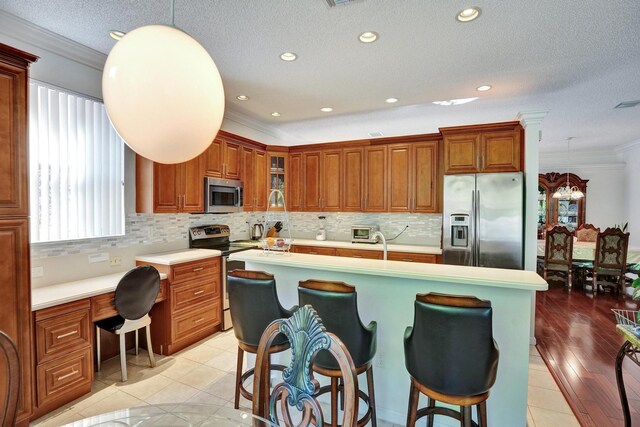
(451, 356)
(336, 303)
(254, 304)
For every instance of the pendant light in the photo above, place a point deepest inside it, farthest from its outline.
(568, 192)
(163, 93)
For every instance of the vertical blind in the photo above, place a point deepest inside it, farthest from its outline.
(76, 167)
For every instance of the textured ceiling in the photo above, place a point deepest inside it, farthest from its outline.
(577, 59)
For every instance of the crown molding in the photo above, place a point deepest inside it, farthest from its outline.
(583, 167)
(626, 147)
(261, 127)
(28, 32)
(531, 117)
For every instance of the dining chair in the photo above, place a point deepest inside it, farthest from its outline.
(134, 297)
(587, 233)
(9, 380)
(307, 336)
(558, 253)
(610, 263)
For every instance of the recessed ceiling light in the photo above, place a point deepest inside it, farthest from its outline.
(468, 15)
(483, 88)
(391, 100)
(326, 109)
(288, 56)
(242, 97)
(368, 37)
(116, 34)
(455, 101)
(275, 114)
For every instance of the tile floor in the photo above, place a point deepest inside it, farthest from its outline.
(204, 373)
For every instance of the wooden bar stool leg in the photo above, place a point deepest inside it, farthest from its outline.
(431, 403)
(334, 402)
(236, 401)
(466, 416)
(372, 398)
(341, 392)
(414, 394)
(482, 414)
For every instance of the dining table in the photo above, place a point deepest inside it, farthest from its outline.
(176, 414)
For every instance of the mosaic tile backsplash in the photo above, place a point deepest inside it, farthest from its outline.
(148, 229)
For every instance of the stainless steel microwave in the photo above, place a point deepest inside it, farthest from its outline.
(222, 195)
(363, 233)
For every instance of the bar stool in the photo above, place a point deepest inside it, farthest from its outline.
(336, 303)
(451, 356)
(254, 304)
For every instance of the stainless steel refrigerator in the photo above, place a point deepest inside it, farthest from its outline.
(483, 220)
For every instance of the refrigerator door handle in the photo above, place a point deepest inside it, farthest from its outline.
(476, 215)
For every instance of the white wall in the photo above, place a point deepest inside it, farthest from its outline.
(631, 155)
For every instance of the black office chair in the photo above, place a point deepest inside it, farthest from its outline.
(254, 304)
(337, 304)
(451, 356)
(135, 295)
(9, 381)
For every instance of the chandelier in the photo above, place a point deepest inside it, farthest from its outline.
(568, 192)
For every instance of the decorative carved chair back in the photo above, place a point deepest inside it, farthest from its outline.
(587, 233)
(9, 381)
(307, 336)
(611, 250)
(558, 246)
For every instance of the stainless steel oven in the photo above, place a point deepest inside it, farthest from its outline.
(222, 195)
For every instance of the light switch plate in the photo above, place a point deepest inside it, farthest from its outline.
(101, 257)
(37, 272)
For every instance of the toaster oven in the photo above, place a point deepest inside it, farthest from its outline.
(363, 233)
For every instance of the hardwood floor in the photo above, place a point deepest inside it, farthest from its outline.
(576, 337)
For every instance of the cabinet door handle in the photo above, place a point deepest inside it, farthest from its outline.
(198, 269)
(68, 334)
(201, 291)
(67, 375)
(199, 320)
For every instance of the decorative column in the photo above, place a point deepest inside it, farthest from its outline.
(530, 121)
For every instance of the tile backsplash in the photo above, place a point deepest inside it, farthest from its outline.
(150, 229)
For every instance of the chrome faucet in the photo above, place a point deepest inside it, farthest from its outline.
(378, 235)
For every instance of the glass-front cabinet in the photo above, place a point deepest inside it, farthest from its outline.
(277, 179)
(563, 211)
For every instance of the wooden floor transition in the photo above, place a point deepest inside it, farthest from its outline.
(576, 338)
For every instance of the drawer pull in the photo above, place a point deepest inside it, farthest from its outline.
(68, 334)
(198, 269)
(199, 320)
(313, 253)
(67, 375)
(201, 291)
(357, 256)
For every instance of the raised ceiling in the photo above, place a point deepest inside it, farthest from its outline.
(576, 59)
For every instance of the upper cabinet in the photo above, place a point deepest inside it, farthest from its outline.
(375, 178)
(352, 179)
(223, 159)
(254, 179)
(277, 179)
(488, 148)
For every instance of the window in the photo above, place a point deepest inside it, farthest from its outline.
(76, 167)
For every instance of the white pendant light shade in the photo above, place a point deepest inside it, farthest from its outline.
(163, 94)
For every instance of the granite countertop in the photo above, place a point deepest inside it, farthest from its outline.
(369, 246)
(61, 293)
(493, 277)
(178, 257)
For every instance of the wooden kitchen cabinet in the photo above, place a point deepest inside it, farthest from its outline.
(193, 308)
(359, 253)
(375, 178)
(15, 287)
(400, 178)
(277, 179)
(170, 188)
(412, 257)
(331, 182)
(313, 250)
(64, 350)
(425, 177)
(321, 182)
(312, 181)
(496, 147)
(103, 306)
(295, 186)
(352, 181)
(223, 159)
(254, 179)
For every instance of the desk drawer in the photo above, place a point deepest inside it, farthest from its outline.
(192, 322)
(58, 378)
(195, 269)
(189, 294)
(62, 334)
(102, 306)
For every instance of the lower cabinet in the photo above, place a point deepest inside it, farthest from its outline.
(412, 257)
(64, 354)
(359, 253)
(313, 250)
(368, 254)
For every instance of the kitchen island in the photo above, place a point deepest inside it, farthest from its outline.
(386, 294)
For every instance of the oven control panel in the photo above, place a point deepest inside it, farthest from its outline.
(209, 231)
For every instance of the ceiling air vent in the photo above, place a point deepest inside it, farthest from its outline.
(375, 134)
(333, 3)
(627, 104)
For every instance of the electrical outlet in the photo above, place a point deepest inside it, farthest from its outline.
(101, 257)
(114, 261)
(37, 272)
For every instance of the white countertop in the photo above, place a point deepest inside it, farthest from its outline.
(178, 257)
(49, 296)
(369, 246)
(493, 277)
